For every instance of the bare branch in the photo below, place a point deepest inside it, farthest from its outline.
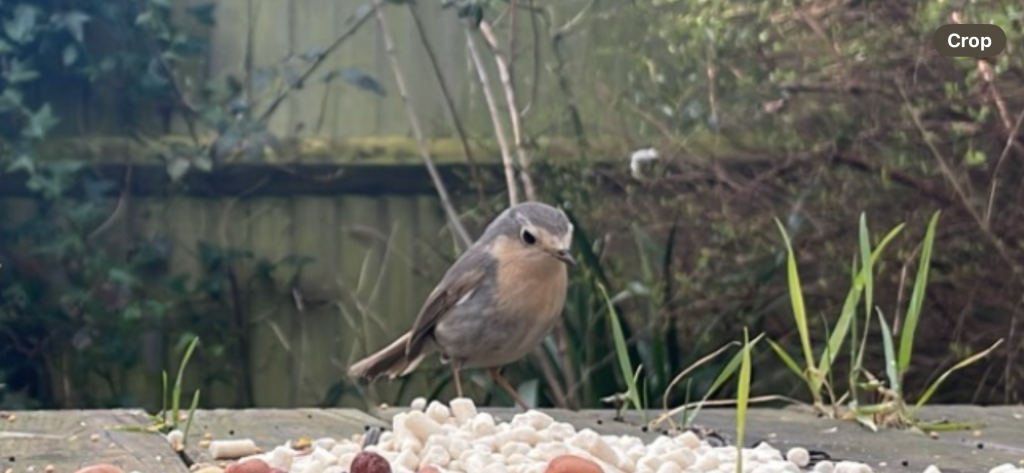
(506, 155)
(414, 123)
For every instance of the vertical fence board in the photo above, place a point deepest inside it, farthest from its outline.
(317, 330)
(269, 228)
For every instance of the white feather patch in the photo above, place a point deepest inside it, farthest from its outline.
(465, 298)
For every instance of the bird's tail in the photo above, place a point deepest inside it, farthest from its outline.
(390, 361)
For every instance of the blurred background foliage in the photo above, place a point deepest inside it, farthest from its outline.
(811, 111)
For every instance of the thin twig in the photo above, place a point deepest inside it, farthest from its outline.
(999, 164)
(506, 155)
(504, 74)
(358, 18)
(446, 94)
(417, 131)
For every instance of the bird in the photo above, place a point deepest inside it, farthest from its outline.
(495, 303)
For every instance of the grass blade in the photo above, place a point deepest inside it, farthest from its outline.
(176, 395)
(727, 372)
(191, 412)
(788, 360)
(970, 360)
(863, 283)
(917, 298)
(742, 398)
(891, 368)
(796, 297)
(621, 352)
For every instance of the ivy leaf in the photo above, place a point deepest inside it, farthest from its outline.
(22, 162)
(74, 22)
(70, 55)
(10, 100)
(177, 167)
(19, 71)
(204, 13)
(40, 122)
(20, 27)
(203, 163)
(362, 80)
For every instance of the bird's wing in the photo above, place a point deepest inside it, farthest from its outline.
(461, 280)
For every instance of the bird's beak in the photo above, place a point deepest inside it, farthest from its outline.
(565, 257)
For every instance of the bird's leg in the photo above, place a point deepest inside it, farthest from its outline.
(456, 367)
(498, 378)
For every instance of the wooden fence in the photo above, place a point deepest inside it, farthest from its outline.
(375, 234)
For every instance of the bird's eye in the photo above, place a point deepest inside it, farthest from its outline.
(528, 237)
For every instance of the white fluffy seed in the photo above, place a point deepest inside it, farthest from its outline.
(689, 440)
(824, 466)
(463, 409)
(281, 457)
(224, 449)
(418, 404)
(852, 467)
(799, 456)
(436, 456)
(932, 469)
(325, 443)
(324, 456)
(669, 468)
(438, 412)
(314, 466)
(483, 424)
(339, 450)
(1004, 468)
(421, 426)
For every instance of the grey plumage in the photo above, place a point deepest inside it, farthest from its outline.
(495, 303)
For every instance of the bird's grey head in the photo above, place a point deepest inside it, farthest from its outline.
(535, 225)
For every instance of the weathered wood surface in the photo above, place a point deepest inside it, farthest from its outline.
(1000, 441)
(62, 438)
(69, 440)
(269, 428)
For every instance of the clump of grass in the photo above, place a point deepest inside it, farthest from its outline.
(630, 375)
(170, 416)
(892, 408)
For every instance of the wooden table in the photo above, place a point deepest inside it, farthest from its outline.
(68, 440)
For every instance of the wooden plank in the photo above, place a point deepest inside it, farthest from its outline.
(303, 179)
(315, 333)
(269, 224)
(70, 440)
(887, 451)
(269, 428)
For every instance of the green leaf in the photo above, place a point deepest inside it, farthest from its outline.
(787, 360)
(796, 297)
(204, 13)
(917, 297)
(10, 100)
(20, 28)
(622, 352)
(22, 162)
(70, 55)
(19, 71)
(742, 399)
(891, 370)
(74, 22)
(40, 123)
(177, 167)
(962, 364)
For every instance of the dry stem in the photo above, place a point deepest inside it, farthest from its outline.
(513, 109)
(492, 107)
(417, 131)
